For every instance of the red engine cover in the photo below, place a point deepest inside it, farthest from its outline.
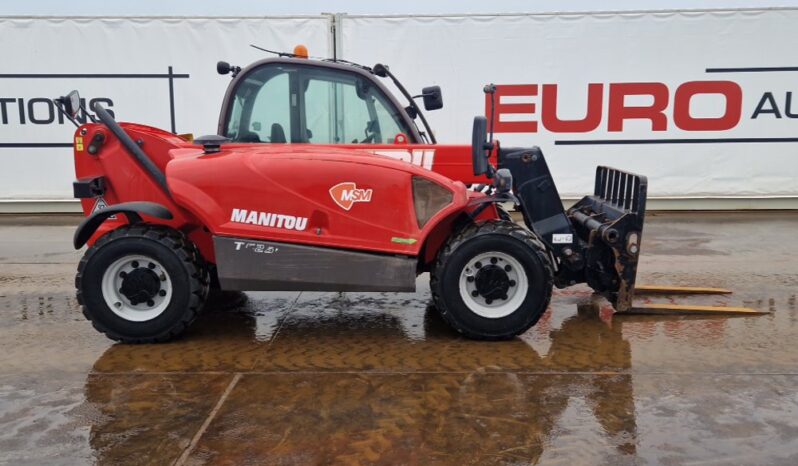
(317, 195)
(349, 196)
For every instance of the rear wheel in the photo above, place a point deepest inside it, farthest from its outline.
(142, 284)
(492, 281)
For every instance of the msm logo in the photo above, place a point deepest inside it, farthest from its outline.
(347, 193)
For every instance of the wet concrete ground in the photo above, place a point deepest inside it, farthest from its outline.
(318, 378)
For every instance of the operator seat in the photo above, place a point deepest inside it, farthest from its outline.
(248, 136)
(278, 134)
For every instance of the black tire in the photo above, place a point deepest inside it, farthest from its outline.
(179, 258)
(503, 214)
(506, 238)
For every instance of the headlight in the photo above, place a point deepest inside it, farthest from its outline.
(429, 198)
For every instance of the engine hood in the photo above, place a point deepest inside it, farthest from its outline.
(399, 158)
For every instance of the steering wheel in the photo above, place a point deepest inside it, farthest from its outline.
(368, 140)
(370, 132)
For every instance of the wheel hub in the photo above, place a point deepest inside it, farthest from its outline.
(492, 282)
(140, 285)
(137, 288)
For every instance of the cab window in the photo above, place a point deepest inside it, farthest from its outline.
(261, 108)
(280, 103)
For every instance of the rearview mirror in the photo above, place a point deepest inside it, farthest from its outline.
(222, 67)
(433, 99)
(479, 146)
(71, 103)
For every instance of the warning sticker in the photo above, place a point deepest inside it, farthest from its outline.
(100, 205)
(562, 238)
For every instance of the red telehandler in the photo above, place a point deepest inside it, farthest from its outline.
(319, 179)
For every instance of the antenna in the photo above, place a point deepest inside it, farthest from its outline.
(279, 54)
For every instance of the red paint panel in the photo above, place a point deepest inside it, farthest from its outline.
(288, 187)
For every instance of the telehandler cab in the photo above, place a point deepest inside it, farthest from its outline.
(319, 179)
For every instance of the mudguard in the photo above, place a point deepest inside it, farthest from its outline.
(131, 210)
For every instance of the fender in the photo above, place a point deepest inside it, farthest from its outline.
(131, 210)
(482, 203)
(475, 210)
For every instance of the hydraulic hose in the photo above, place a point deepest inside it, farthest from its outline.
(382, 70)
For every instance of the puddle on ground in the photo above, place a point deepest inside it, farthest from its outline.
(380, 379)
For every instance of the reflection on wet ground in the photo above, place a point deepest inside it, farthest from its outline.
(310, 378)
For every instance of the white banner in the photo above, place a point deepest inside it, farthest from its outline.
(124, 63)
(700, 102)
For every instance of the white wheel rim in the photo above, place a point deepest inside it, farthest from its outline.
(497, 308)
(120, 304)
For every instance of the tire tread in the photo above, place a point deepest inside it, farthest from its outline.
(491, 227)
(184, 249)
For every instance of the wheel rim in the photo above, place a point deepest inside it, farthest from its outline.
(493, 284)
(137, 288)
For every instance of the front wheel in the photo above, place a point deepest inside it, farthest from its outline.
(142, 284)
(492, 281)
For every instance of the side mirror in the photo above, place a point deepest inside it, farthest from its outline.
(480, 146)
(433, 99)
(222, 67)
(71, 104)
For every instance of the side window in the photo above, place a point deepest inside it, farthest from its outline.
(319, 120)
(262, 108)
(345, 108)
